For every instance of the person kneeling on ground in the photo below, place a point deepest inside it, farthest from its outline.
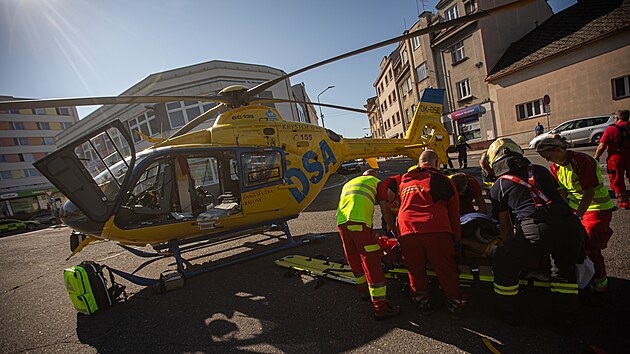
(545, 225)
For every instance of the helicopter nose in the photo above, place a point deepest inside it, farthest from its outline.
(74, 218)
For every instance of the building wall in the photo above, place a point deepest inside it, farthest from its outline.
(498, 32)
(420, 55)
(26, 136)
(578, 83)
(484, 42)
(388, 100)
(374, 117)
(201, 79)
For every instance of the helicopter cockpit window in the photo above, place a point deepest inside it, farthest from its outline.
(261, 167)
(204, 174)
(151, 198)
(106, 157)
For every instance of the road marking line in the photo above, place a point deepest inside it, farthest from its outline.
(345, 179)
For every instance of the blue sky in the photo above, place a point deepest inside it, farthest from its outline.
(74, 48)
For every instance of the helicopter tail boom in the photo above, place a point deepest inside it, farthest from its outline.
(425, 132)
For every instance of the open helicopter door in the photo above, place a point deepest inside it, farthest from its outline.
(91, 170)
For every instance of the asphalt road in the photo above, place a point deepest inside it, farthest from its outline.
(254, 307)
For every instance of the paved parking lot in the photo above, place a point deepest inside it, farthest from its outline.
(255, 307)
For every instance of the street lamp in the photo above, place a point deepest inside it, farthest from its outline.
(320, 107)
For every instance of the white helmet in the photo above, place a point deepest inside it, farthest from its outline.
(502, 147)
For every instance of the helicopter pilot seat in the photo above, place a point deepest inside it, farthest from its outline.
(151, 205)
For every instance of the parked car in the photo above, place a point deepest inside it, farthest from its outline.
(45, 218)
(8, 225)
(578, 131)
(349, 166)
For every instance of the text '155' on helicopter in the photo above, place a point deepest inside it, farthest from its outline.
(249, 171)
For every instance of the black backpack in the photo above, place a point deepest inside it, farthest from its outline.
(625, 135)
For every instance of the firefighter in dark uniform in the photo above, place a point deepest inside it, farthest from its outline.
(545, 224)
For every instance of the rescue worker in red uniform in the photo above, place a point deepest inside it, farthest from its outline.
(429, 225)
(354, 220)
(470, 194)
(390, 188)
(545, 224)
(616, 141)
(580, 181)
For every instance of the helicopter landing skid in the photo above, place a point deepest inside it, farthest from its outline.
(291, 242)
(174, 248)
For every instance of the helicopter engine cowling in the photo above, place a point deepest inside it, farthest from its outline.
(75, 219)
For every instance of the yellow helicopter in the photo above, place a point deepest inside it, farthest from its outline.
(249, 171)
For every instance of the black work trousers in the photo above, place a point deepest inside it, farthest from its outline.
(562, 237)
(462, 159)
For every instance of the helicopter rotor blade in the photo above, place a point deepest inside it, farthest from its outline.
(281, 100)
(197, 121)
(93, 101)
(245, 96)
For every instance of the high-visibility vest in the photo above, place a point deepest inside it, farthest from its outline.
(358, 197)
(571, 182)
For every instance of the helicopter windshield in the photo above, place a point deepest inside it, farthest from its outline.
(106, 157)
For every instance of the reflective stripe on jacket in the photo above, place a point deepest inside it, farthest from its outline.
(358, 197)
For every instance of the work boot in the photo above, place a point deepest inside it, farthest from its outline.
(425, 307)
(389, 312)
(455, 306)
(624, 205)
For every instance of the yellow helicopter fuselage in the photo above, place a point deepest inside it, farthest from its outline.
(311, 155)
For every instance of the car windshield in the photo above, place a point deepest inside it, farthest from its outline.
(565, 126)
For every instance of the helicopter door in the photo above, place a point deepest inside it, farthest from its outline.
(91, 170)
(263, 171)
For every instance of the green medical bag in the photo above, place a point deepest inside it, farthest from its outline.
(88, 288)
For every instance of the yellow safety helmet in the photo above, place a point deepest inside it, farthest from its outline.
(501, 148)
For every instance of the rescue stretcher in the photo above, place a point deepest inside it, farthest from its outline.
(471, 273)
(480, 237)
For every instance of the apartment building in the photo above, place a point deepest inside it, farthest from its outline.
(27, 135)
(389, 106)
(374, 117)
(457, 59)
(464, 55)
(416, 70)
(205, 79)
(579, 59)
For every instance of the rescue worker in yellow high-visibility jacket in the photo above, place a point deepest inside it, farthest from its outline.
(354, 220)
(581, 181)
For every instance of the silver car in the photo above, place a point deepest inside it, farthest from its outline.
(579, 131)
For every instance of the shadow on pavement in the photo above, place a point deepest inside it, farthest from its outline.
(255, 307)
